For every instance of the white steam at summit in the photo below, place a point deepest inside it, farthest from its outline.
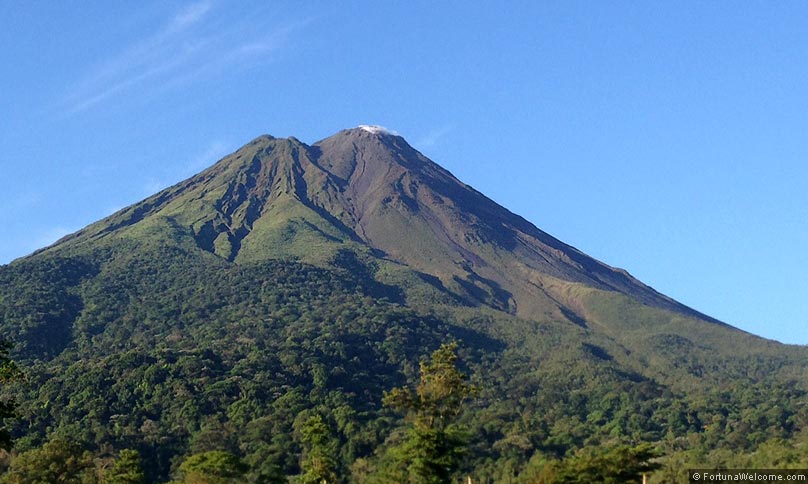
(376, 129)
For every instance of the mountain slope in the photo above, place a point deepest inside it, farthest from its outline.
(365, 200)
(291, 278)
(370, 191)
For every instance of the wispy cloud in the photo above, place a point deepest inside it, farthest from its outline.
(431, 138)
(190, 15)
(189, 46)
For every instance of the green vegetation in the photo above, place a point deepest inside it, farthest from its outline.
(237, 328)
(8, 373)
(319, 461)
(127, 469)
(56, 461)
(615, 465)
(163, 356)
(213, 467)
(433, 447)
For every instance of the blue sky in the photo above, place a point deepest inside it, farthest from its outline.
(667, 138)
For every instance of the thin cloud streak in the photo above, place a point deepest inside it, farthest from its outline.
(190, 15)
(144, 55)
(191, 47)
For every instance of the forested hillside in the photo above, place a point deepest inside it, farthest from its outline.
(249, 322)
(172, 355)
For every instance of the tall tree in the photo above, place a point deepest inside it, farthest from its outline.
(319, 461)
(127, 469)
(213, 467)
(434, 445)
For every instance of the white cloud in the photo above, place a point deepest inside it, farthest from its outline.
(190, 15)
(191, 45)
(376, 129)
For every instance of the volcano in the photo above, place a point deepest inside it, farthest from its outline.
(290, 279)
(367, 191)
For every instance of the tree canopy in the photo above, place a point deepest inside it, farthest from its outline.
(434, 446)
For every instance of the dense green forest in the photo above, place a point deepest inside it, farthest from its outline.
(147, 363)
